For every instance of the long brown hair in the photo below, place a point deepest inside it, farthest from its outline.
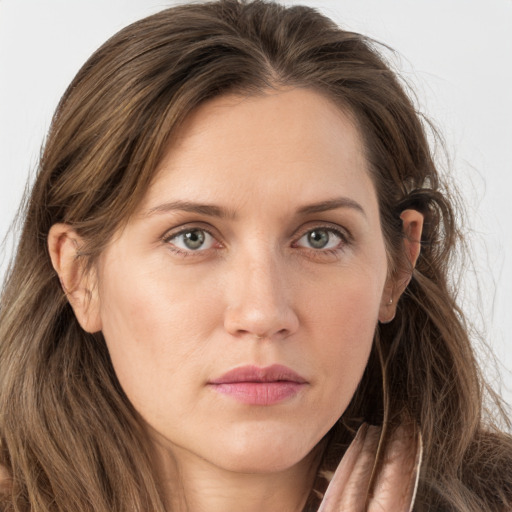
(70, 439)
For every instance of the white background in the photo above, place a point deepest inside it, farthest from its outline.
(456, 53)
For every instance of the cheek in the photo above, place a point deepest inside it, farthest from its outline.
(152, 328)
(345, 308)
(342, 324)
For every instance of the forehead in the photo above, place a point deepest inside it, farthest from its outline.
(292, 140)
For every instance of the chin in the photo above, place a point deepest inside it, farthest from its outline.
(260, 463)
(264, 454)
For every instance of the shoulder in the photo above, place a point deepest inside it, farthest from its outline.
(488, 468)
(483, 480)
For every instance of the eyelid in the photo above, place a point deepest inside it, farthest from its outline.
(189, 226)
(172, 233)
(340, 231)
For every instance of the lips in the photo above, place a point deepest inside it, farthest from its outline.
(259, 386)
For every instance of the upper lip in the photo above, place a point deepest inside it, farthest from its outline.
(273, 373)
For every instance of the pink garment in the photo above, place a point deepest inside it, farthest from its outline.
(360, 484)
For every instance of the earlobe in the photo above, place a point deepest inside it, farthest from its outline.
(79, 286)
(412, 225)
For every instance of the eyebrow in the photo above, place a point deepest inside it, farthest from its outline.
(212, 210)
(188, 206)
(332, 204)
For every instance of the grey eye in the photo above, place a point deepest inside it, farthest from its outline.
(193, 240)
(320, 238)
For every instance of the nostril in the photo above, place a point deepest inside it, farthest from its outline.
(260, 310)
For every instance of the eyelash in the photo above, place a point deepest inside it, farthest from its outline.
(167, 239)
(344, 237)
(344, 241)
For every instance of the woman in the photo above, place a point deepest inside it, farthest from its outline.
(235, 257)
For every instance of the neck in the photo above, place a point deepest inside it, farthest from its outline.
(192, 484)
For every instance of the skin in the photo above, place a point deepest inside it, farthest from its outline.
(258, 292)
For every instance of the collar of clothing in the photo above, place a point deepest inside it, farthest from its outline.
(378, 467)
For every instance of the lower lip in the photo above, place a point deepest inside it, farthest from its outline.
(259, 393)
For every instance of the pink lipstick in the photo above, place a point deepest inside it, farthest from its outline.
(259, 386)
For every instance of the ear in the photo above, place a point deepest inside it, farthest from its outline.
(412, 225)
(79, 286)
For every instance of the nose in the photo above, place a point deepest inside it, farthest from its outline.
(259, 298)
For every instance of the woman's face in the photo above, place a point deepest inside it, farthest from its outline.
(258, 244)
